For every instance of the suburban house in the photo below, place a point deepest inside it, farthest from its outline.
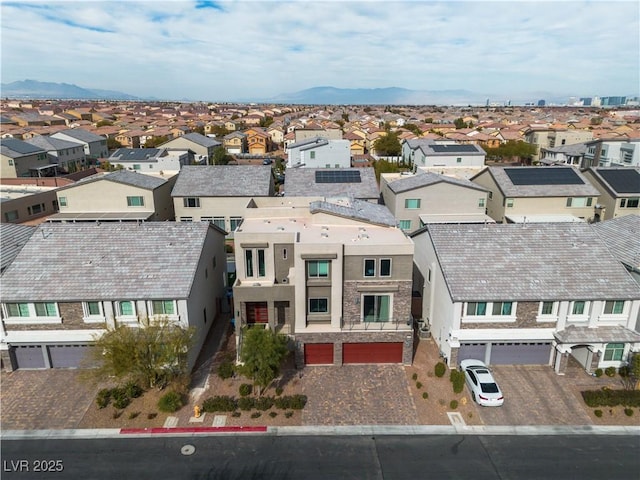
(14, 237)
(357, 183)
(258, 141)
(356, 143)
(538, 194)
(319, 152)
(419, 198)
(201, 145)
(22, 159)
(619, 190)
(95, 146)
(120, 196)
(564, 155)
(335, 276)
(68, 156)
(220, 193)
(310, 132)
(429, 153)
(150, 160)
(26, 203)
(235, 142)
(548, 137)
(613, 152)
(526, 294)
(70, 282)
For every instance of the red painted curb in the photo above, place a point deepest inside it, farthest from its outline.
(192, 430)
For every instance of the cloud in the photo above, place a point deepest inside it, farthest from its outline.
(228, 50)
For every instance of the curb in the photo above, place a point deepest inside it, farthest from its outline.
(171, 430)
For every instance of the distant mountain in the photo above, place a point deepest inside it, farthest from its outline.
(34, 89)
(379, 96)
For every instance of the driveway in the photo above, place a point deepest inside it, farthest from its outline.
(534, 395)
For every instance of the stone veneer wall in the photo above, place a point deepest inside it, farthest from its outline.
(351, 307)
(526, 313)
(71, 314)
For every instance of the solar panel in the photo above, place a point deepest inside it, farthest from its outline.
(454, 148)
(338, 176)
(543, 176)
(622, 180)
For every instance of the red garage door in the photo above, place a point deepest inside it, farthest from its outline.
(372, 353)
(318, 354)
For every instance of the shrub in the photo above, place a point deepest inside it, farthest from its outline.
(414, 377)
(298, 402)
(624, 371)
(151, 416)
(279, 391)
(263, 403)
(440, 369)
(245, 389)
(246, 403)
(117, 413)
(288, 414)
(220, 403)
(628, 412)
(598, 372)
(610, 371)
(442, 402)
(597, 413)
(170, 402)
(425, 395)
(273, 414)
(418, 385)
(103, 398)
(457, 379)
(611, 398)
(453, 404)
(133, 415)
(236, 414)
(120, 397)
(256, 415)
(226, 370)
(133, 390)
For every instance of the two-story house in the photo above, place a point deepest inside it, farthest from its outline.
(70, 282)
(204, 147)
(258, 141)
(419, 198)
(358, 183)
(548, 137)
(526, 294)
(335, 276)
(538, 194)
(235, 142)
(95, 146)
(420, 152)
(150, 160)
(613, 152)
(21, 159)
(68, 156)
(120, 196)
(619, 191)
(319, 152)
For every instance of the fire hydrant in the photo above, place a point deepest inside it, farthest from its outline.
(196, 411)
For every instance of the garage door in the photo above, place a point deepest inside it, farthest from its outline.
(69, 356)
(372, 352)
(318, 354)
(472, 350)
(28, 356)
(532, 353)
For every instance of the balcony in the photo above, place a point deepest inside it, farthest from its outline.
(358, 324)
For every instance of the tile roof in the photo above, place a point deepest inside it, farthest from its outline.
(301, 182)
(602, 334)
(511, 262)
(411, 182)
(14, 148)
(82, 135)
(51, 143)
(202, 140)
(106, 261)
(309, 143)
(126, 177)
(224, 181)
(357, 210)
(509, 189)
(622, 236)
(12, 238)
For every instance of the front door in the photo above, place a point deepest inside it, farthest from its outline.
(257, 312)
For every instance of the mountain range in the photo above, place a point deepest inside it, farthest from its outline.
(63, 91)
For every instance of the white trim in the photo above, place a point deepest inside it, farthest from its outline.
(52, 336)
(32, 320)
(503, 335)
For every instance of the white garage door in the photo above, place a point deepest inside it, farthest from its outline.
(522, 353)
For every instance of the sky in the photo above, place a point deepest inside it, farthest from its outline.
(237, 50)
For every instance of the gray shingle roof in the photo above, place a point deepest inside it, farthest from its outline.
(134, 154)
(82, 135)
(508, 189)
(108, 261)
(12, 238)
(358, 210)
(51, 143)
(509, 262)
(622, 236)
(301, 182)
(412, 182)
(309, 143)
(14, 148)
(432, 148)
(223, 181)
(202, 140)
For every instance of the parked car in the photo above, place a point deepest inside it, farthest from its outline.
(484, 389)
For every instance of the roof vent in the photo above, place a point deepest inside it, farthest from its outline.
(281, 228)
(324, 235)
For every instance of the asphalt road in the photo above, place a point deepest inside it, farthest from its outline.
(325, 457)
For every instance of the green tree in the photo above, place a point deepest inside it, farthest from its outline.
(388, 145)
(153, 142)
(384, 166)
(345, 117)
(631, 373)
(220, 156)
(219, 131)
(104, 123)
(266, 121)
(152, 355)
(459, 123)
(512, 150)
(263, 352)
(113, 144)
(413, 128)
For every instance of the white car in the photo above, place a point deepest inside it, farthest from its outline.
(484, 389)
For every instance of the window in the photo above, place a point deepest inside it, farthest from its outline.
(614, 352)
(547, 308)
(501, 308)
(509, 202)
(62, 201)
(136, 166)
(135, 201)
(126, 309)
(92, 309)
(318, 305)
(578, 308)
(248, 263)
(18, 310)
(369, 267)
(312, 154)
(490, 195)
(206, 219)
(412, 203)
(11, 216)
(459, 160)
(481, 202)
(10, 162)
(385, 267)
(476, 308)
(614, 307)
(46, 310)
(318, 268)
(376, 308)
(35, 209)
(191, 202)
(235, 222)
(253, 257)
(186, 219)
(163, 307)
(629, 202)
(261, 264)
(219, 222)
(284, 253)
(579, 201)
(405, 224)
